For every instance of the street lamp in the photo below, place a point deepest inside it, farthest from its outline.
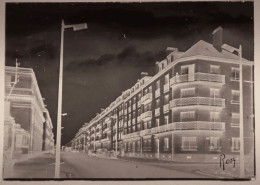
(241, 130)
(115, 117)
(75, 27)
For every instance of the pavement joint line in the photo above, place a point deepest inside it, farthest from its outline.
(55, 163)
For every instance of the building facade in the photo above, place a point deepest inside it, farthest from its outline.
(188, 111)
(24, 112)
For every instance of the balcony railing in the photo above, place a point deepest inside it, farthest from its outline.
(157, 111)
(166, 87)
(145, 132)
(157, 93)
(146, 98)
(166, 108)
(219, 102)
(134, 134)
(162, 128)
(147, 114)
(198, 77)
(191, 125)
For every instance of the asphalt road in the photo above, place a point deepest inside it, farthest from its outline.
(84, 166)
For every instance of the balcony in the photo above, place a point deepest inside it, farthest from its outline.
(166, 87)
(208, 77)
(145, 132)
(190, 101)
(157, 111)
(166, 108)
(191, 125)
(157, 93)
(134, 134)
(146, 115)
(138, 119)
(146, 98)
(162, 128)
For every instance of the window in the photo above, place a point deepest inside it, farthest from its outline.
(166, 79)
(235, 97)
(235, 120)
(214, 93)
(166, 120)
(138, 128)
(235, 144)
(149, 124)
(214, 69)
(235, 73)
(133, 128)
(138, 146)
(129, 146)
(133, 146)
(214, 116)
(157, 85)
(189, 144)
(166, 144)
(184, 70)
(187, 92)
(190, 115)
(157, 122)
(166, 99)
(157, 103)
(214, 144)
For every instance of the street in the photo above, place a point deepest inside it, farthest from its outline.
(85, 166)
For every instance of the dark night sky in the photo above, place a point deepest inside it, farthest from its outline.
(99, 63)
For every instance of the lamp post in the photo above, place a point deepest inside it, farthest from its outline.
(59, 113)
(241, 112)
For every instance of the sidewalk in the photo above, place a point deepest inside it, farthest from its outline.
(41, 166)
(212, 170)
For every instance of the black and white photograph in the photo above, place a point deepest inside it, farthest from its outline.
(129, 91)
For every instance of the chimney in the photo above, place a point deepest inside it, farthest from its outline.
(170, 50)
(143, 74)
(217, 38)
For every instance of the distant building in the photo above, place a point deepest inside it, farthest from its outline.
(188, 111)
(47, 143)
(24, 111)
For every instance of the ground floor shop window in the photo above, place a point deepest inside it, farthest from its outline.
(166, 144)
(189, 144)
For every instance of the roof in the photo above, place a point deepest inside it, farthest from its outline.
(206, 49)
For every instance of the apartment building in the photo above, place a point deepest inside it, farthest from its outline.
(24, 112)
(188, 111)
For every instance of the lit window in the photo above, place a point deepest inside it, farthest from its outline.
(214, 116)
(157, 85)
(214, 143)
(166, 120)
(189, 144)
(157, 122)
(166, 79)
(157, 103)
(235, 97)
(166, 144)
(214, 69)
(184, 70)
(166, 99)
(214, 93)
(190, 115)
(235, 144)
(187, 92)
(235, 73)
(235, 119)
